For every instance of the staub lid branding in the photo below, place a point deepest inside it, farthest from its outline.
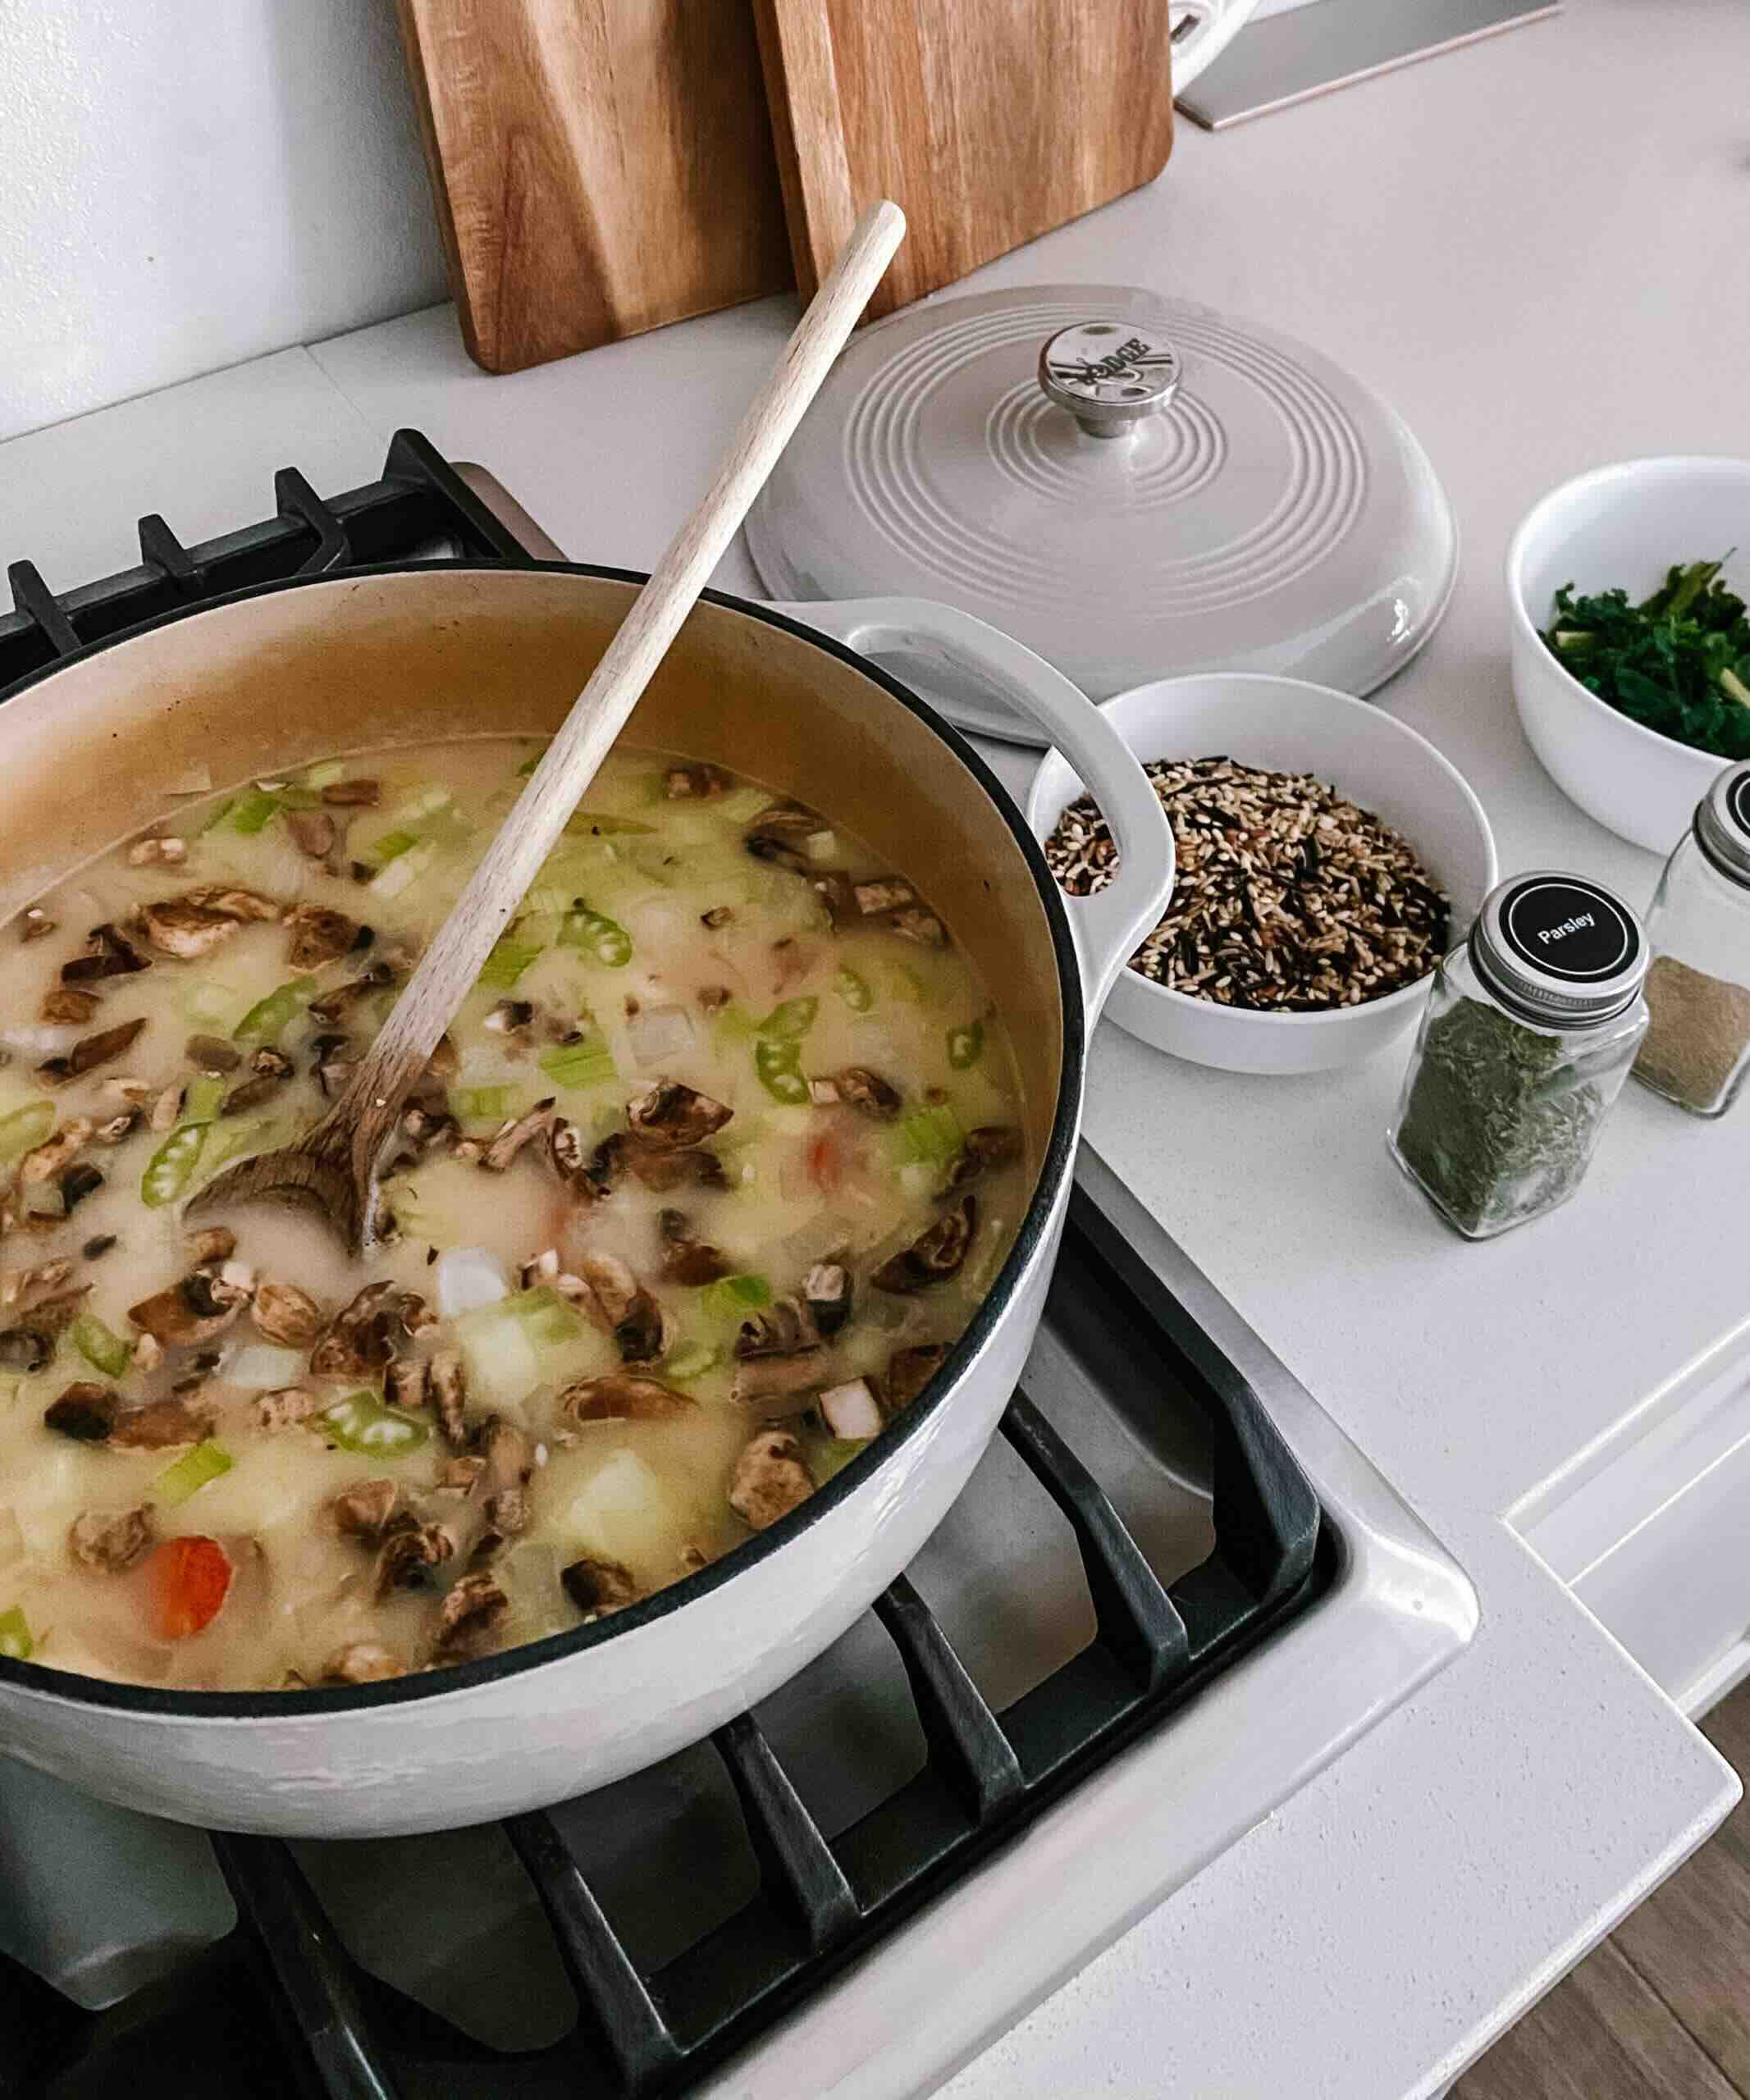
(1559, 949)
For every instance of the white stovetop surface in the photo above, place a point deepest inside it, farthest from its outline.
(1522, 246)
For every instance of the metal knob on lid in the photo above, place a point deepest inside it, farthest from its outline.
(1559, 949)
(1109, 374)
(1722, 822)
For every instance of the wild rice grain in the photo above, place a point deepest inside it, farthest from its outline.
(1289, 898)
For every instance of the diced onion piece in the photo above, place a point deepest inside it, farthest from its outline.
(466, 1278)
(36, 1039)
(820, 845)
(659, 1035)
(263, 1368)
(502, 1361)
(851, 1410)
(403, 872)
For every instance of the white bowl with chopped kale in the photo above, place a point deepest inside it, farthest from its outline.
(1327, 857)
(1630, 637)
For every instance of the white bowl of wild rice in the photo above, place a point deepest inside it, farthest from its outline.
(1328, 857)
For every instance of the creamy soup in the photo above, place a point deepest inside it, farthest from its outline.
(718, 1156)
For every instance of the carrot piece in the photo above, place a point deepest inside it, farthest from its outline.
(190, 1579)
(826, 1162)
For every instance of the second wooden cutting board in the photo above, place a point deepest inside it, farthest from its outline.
(600, 166)
(988, 121)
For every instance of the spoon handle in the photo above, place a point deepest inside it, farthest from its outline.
(453, 960)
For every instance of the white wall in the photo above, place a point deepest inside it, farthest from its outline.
(187, 183)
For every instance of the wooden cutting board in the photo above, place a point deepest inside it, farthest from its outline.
(989, 122)
(601, 167)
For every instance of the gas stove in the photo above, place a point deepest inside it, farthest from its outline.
(1171, 1591)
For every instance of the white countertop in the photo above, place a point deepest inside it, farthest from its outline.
(1522, 246)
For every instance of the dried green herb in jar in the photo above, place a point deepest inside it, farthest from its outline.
(1486, 1137)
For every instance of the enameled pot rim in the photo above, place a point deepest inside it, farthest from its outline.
(76, 1689)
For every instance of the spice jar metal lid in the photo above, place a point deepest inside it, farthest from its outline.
(1722, 822)
(1559, 949)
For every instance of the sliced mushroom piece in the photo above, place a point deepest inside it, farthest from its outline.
(211, 1243)
(287, 1315)
(361, 1337)
(509, 1511)
(695, 781)
(290, 1405)
(885, 893)
(624, 1307)
(836, 895)
(719, 916)
(827, 1291)
(319, 935)
(623, 1396)
(448, 1392)
(779, 1329)
(762, 1380)
(118, 1127)
(352, 794)
(789, 820)
(108, 953)
(403, 1382)
(472, 1612)
(598, 1587)
(909, 1371)
(669, 1117)
(28, 1345)
(510, 1017)
(935, 1255)
(918, 926)
(645, 1334)
(687, 1258)
(109, 1541)
(75, 1184)
(234, 903)
(777, 852)
(460, 1477)
(851, 1410)
(21, 1289)
(251, 1093)
(45, 1161)
(362, 1662)
(769, 1481)
(991, 1147)
(86, 1412)
(565, 1148)
(410, 1551)
(160, 1425)
(190, 1313)
(186, 931)
(214, 1054)
(34, 924)
(425, 1132)
(511, 1139)
(663, 1171)
(508, 1454)
(66, 1006)
(868, 1094)
(339, 998)
(364, 1509)
(314, 832)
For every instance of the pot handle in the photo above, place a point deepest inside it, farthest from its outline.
(1109, 925)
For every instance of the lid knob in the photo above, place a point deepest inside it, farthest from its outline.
(1109, 374)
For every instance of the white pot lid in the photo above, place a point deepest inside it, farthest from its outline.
(1170, 491)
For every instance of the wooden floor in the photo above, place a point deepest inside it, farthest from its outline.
(1661, 2011)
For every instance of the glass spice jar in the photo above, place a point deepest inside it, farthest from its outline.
(1532, 1026)
(1698, 1048)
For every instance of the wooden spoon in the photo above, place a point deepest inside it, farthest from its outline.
(334, 1166)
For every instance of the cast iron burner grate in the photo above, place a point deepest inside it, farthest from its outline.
(281, 2007)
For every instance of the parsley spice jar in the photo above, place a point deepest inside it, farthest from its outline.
(1531, 1028)
(1698, 1048)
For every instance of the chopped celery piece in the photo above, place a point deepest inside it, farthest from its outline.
(324, 775)
(390, 847)
(208, 1461)
(14, 1636)
(552, 900)
(586, 1063)
(790, 1022)
(779, 1068)
(361, 1423)
(602, 824)
(260, 1135)
(26, 1128)
(691, 1360)
(743, 804)
(403, 872)
(218, 816)
(548, 1319)
(201, 1102)
(853, 989)
(929, 1137)
(509, 959)
(172, 1167)
(103, 1349)
(731, 1298)
(834, 1456)
(481, 1104)
(596, 935)
(268, 1018)
(251, 810)
(966, 1045)
(907, 985)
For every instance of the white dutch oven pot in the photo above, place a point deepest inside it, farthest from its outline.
(265, 681)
